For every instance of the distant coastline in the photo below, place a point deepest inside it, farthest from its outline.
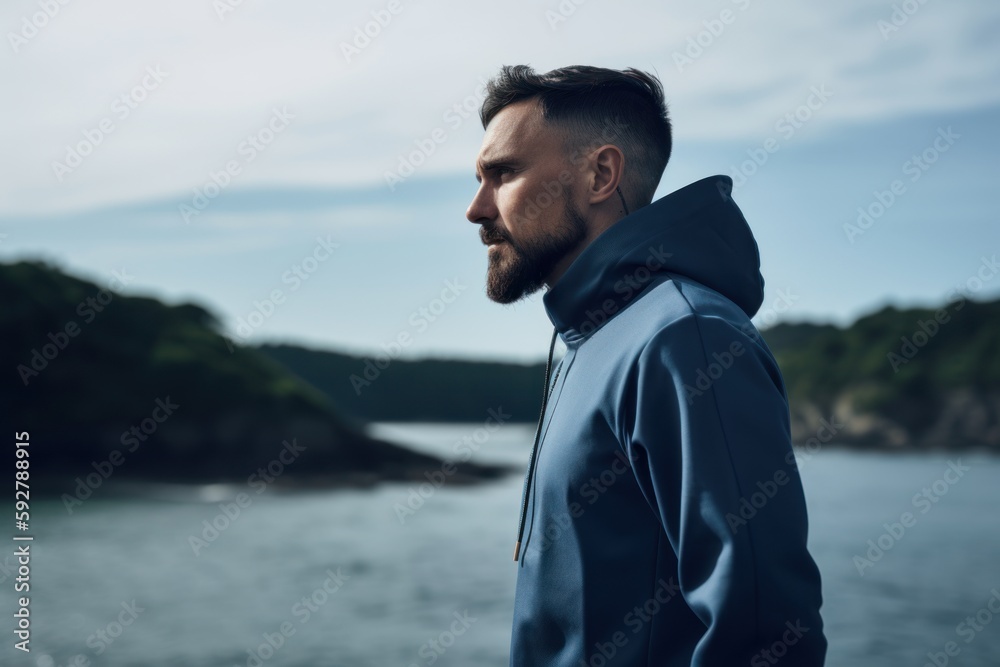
(129, 387)
(913, 379)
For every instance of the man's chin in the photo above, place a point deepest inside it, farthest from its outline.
(512, 275)
(507, 297)
(506, 285)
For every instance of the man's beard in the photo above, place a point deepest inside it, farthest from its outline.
(516, 270)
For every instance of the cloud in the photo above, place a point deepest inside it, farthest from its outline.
(353, 120)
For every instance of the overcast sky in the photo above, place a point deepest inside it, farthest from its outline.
(117, 114)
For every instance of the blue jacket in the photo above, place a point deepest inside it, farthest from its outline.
(665, 521)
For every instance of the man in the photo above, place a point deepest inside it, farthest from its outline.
(663, 520)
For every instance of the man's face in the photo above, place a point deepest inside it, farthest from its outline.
(525, 202)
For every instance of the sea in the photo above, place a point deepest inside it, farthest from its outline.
(404, 574)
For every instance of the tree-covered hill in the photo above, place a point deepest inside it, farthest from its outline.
(96, 377)
(386, 389)
(914, 377)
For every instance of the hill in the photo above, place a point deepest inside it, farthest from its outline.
(432, 390)
(898, 378)
(106, 382)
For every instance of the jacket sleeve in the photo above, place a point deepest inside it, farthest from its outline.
(705, 424)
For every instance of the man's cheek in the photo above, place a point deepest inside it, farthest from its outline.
(519, 199)
(506, 206)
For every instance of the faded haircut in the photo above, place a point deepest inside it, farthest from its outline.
(596, 106)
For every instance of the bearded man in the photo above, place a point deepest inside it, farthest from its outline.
(663, 520)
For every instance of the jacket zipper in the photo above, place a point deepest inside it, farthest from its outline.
(534, 447)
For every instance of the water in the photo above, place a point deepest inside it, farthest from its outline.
(384, 592)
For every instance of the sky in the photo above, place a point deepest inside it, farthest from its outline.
(302, 169)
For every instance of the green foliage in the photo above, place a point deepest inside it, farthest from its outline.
(894, 354)
(417, 390)
(85, 365)
(818, 362)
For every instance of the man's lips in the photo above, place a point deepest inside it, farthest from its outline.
(491, 237)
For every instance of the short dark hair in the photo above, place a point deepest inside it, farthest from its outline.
(590, 101)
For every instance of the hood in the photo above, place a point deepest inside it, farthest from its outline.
(697, 232)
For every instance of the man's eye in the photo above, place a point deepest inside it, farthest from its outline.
(500, 171)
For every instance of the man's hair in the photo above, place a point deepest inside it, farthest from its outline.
(596, 106)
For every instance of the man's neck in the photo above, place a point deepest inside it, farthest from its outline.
(563, 264)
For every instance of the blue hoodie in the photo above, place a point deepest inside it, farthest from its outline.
(664, 521)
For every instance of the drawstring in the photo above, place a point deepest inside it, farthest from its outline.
(534, 451)
(622, 197)
(538, 430)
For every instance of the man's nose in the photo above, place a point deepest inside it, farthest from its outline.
(480, 209)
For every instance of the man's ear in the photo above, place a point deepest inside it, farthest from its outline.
(607, 169)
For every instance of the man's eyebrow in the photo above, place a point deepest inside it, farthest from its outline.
(490, 165)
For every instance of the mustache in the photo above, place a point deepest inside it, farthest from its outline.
(492, 233)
